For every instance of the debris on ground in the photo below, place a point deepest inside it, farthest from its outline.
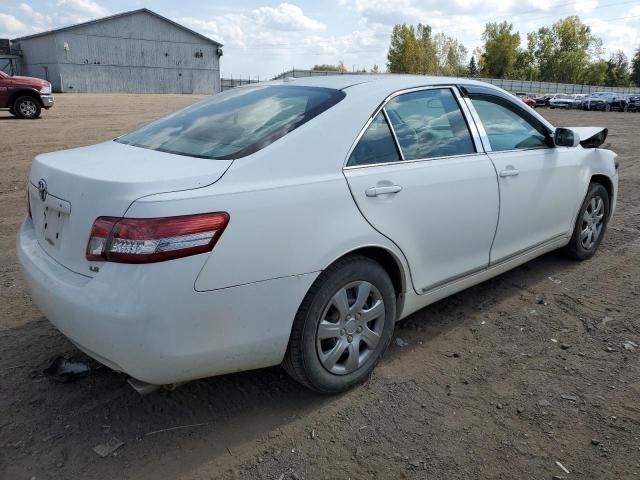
(544, 403)
(62, 369)
(629, 345)
(562, 467)
(107, 448)
(400, 342)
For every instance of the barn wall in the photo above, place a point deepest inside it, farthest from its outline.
(136, 53)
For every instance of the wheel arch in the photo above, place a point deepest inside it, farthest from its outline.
(606, 182)
(390, 262)
(25, 92)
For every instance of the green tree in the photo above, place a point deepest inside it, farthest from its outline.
(617, 70)
(635, 67)
(375, 69)
(562, 52)
(500, 52)
(596, 73)
(450, 55)
(472, 68)
(403, 55)
(325, 67)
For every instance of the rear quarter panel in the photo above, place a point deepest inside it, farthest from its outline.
(291, 211)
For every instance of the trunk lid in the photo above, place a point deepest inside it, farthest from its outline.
(68, 190)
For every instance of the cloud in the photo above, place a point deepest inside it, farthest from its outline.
(79, 10)
(33, 15)
(286, 17)
(10, 26)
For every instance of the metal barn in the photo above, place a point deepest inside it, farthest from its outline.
(132, 52)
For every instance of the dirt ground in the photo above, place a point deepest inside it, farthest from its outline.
(501, 381)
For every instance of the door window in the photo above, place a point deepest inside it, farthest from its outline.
(376, 145)
(508, 127)
(428, 124)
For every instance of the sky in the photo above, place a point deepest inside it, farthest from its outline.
(264, 38)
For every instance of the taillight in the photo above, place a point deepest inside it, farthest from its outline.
(146, 240)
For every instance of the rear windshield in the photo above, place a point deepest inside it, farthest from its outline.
(235, 123)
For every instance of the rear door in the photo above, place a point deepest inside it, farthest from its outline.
(539, 182)
(420, 178)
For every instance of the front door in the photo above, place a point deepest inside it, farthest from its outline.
(539, 182)
(5, 94)
(418, 179)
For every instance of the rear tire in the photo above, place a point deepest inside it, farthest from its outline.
(591, 224)
(27, 108)
(343, 326)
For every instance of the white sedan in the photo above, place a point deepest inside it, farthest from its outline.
(294, 222)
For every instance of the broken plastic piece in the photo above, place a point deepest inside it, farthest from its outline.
(63, 369)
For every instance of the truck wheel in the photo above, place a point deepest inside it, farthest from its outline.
(27, 108)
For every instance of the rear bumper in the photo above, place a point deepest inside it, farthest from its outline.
(47, 101)
(148, 321)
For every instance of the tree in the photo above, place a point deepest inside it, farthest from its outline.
(472, 69)
(450, 55)
(562, 52)
(403, 55)
(617, 70)
(635, 67)
(596, 73)
(325, 67)
(375, 69)
(500, 51)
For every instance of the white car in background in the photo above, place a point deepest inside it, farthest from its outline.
(296, 221)
(562, 100)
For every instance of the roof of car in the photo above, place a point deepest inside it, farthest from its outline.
(390, 81)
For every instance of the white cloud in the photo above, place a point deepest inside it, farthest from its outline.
(33, 15)
(286, 17)
(79, 10)
(10, 26)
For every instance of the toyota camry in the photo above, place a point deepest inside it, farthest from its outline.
(294, 222)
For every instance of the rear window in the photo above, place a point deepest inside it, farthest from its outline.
(235, 123)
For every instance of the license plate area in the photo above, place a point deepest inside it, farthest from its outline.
(52, 223)
(49, 218)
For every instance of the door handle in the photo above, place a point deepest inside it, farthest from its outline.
(509, 172)
(375, 191)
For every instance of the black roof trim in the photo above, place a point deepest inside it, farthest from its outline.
(118, 15)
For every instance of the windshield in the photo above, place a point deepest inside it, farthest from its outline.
(600, 94)
(235, 123)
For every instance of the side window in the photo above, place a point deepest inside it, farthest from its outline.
(376, 145)
(428, 124)
(507, 126)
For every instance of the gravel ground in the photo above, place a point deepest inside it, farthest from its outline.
(521, 377)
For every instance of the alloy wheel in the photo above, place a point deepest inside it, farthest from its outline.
(592, 222)
(28, 108)
(350, 327)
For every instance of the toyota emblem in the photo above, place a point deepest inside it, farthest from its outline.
(42, 189)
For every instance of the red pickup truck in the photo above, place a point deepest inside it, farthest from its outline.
(25, 97)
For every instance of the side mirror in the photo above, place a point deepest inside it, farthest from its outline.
(565, 137)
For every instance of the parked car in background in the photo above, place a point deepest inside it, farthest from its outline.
(24, 97)
(543, 100)
(578, 98)
(633, 104)
(527, 99)
(605, 101)
(562, 100)
(294, 222)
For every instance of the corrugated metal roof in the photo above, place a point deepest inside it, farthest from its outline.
(118, 15)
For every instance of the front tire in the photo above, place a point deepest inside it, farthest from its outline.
(591, 223)
(343, 326)
(27, 108)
